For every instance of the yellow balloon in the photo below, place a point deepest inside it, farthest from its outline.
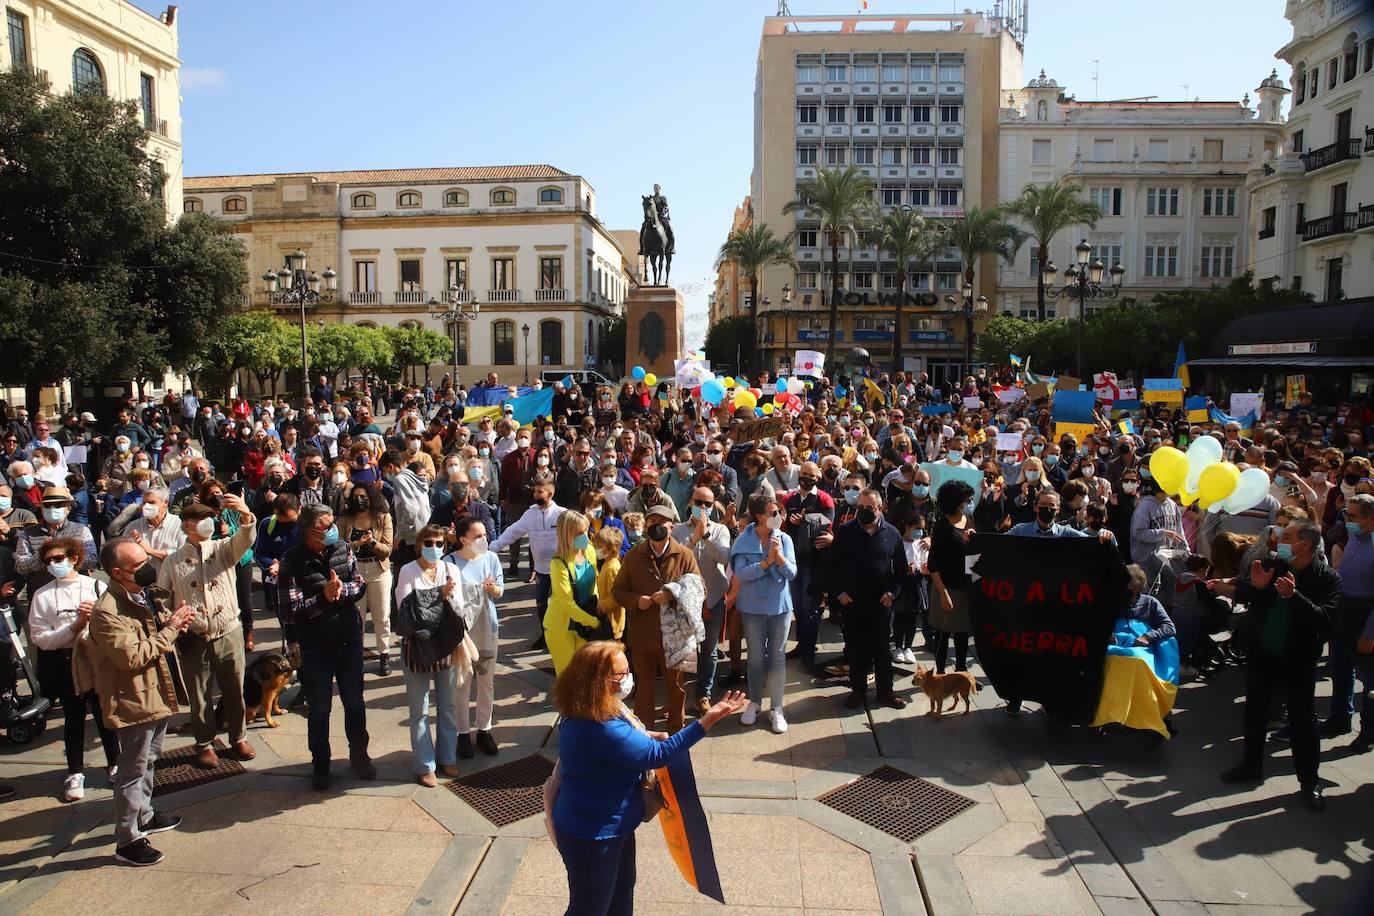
(1187, 497)
(1170, 468)
(745, 398)
(728, 382)
(1216, 482)
(651, 380)
(768, 408)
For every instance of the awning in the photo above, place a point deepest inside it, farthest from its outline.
(1296, 360)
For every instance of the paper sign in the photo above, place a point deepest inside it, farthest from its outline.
(941, 473)
(1242, 402)
(973, 402)
(809, 362)
(1010, 395)
(1067, 383)
(1163, 391)
(74, 454)
(1078, 430)
(1009, 442)
(690, 373)
(1296, 385)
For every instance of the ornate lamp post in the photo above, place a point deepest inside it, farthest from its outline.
(451, 316)
(1083, 281)
(302, 289)
(972, 308)
(525, 332)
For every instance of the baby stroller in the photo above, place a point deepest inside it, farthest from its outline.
(22, 717)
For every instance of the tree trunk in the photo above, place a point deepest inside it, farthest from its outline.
(32, 394)
(834, 300)
(897, 326)
(1040, 283)
(753, 327)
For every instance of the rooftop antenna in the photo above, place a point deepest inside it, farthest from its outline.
(1096, 72)
(784, 11)
(1185, 91)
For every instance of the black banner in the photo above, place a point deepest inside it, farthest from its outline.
(1043, 611)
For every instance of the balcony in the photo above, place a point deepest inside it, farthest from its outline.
(1326, 226)
(952, 171)
(1339, 151)
(808, 130)
(365, 298)
(551, 295)
(503, 295)
(457, 296)
(1266, 232)
(1365, 217)
(411, 297)
(951, 130)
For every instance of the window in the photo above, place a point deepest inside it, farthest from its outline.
(364, 201)
(1161, 260)
(145, 88)
(1269, 218)
(1042, 152)
(192, 205)
(920, 73)
(456, 273)
(1107, 199)
(1332, 72)
(947, 197)
(892, 155)
(1109, 255)
(835, 73)
(863, 279)
(19, 40)
(806, 279)
(809, 74)
(550, 195)
(865, 73)
(946, 282)
(920, 197)
(456, 198)
(550, 342)
(920, 155)
(365, 276)
(863, 114)
(806, 114)
(892, 114)
(1299, 84)
(1315, 82)
(503, 273)
(920, 114)
(806, 238)
(951, 73)
(86, 75)
(410, 275)
(887, 280)
(870, 323)
(1218, 260)
(550, 273)
(235, 205)
(503, 342)
(835, 114)
(951, 114)
(1035, 261)
(1158, 151)
(1212, 150)
(502, 197)
(408, 200)
(1161, 201)
(1334, 276)
(892, 197)
(458, 333)
(894, 73)
(949, 155)
(806, 155)
(1218, 201)
(863, 155)
(834, 155)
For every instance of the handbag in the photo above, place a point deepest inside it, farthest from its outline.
(652, 792)
(602, 629)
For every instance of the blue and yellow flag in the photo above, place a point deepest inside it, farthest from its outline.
(1181, 366)
(874, 395)
(1140, 683)
(1247, 422)
(685, 829)
(1127, 427)
(1015, 360)
(1196, 408)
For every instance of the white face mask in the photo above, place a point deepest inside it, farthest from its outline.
(523, 443)
(1129, 487)
(542, 461)
(140, 463)
(150, 510)
(339, 478)
(713, 459)
(205, 528)
(479, 546)
(608, 482)
(774, 522)
(627, 686)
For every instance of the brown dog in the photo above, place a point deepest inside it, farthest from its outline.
(263, 681)
(940, 687)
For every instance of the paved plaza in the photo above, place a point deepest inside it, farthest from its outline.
(1065, 821)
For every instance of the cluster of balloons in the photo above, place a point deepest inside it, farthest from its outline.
(1201, 476)
(640, 375)
(786, 394)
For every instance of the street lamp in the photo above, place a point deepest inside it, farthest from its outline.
(451, 316)
(972, 308)
(786, 312)
(525, 332)
(1083, 281)
(302, 289)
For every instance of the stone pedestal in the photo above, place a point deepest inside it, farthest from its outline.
(655, 329)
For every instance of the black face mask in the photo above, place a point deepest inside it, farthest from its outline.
(274, 481)
(658, 532)
(866, 516)
(145, 576)
(214, 501)
(198, 476)
(542, 503)
(1045, 514)
(359, 503)
(806, 483)
(313, 472)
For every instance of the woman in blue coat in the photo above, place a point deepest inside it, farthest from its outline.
(764, 564)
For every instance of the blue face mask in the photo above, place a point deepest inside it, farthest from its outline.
(1051, 460)
(1032, 476)
(851, 497)
(55, 515)
(59, 569)
(956, 455)
(968, 507)
(581, 541)
(1284, 552)
(5, 503)
(331, 536)
(1145, 472)
(1037, 449)
(432, 554)
(1280, 481)
(24, 481)
(1354, 529)
(922, 490)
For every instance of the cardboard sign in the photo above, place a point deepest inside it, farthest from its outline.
(1038, 390)
(1009, 442)
(74, 454)
(1163, 391)
(1067, 383)
(809, 362)
(1010, 395)
(941, 473)
(758, 430)
(1043, 611)
(1243, 402)
(973, 402)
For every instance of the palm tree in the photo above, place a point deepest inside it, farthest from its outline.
(981, 231)
(752, 248)
(906, 236)
(1047, 210)
(843, 201)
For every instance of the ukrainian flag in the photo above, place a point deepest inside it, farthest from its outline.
(1127, 427)
(1181, 366)
(1196, 408)
(876, 397)
(1140, 683)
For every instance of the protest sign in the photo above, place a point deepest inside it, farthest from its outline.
(809, 362)
(1106, 387)
(941, 473)
(973, 402)
(1196, 407)
(1163, 391)
(1010, 395)
(74, 454)
(1294, 386)
(1009, 442)
(1043, 611)
(935, 410)
(1243, 402)
(758, 430)
(1067, 383)
(690, 373)
(1038, 390)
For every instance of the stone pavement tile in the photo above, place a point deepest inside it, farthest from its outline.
(1017, 804)
(899, 891)
(117, 888)
(1014, 885)
(290, 894)
(1247, 909)
(942, 884)
(1123, 906)
(1091, 857)
(314, 809)
(741, 832)
(843, 881)
(1016, 839)
(969, 827)
(328, 854)
(1215, 869)
(1178, 908)
(735, 766)
(768, 880)
(541, 872)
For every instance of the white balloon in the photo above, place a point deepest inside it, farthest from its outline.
(795, 386)
(1203, 451)
(1250, 491)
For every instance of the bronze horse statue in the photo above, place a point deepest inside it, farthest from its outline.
(655, 243)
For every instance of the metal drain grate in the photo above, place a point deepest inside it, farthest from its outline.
(507, 793)
(897, 803)
(177, 770)
(544, 664)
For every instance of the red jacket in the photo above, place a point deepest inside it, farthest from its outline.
(514, 471)
(252, 468)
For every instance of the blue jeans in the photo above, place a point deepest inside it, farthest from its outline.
(601, 874)
(543, 588)
(445, 686)
(766, 637)
(320, 669)
(706, 655)
(808, 612)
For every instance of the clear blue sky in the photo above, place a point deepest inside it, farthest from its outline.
(623, 93)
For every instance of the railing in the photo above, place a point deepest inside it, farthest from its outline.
(457, 296)
(1266, 232)
(410, 297)
(551, 295)
(1335, 224)
(365, 298)
(1365, 218)
(1339, 151)
(503, 295)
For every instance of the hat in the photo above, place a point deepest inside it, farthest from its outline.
(660, 511)
(88, 417)
(57, 496)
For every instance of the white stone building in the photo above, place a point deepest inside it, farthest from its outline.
(522, 243)
(1169, 176)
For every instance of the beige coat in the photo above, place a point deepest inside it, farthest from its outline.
(204, 576)
(381, 536)
(128, 653)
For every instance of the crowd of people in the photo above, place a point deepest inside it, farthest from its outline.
(665, 537)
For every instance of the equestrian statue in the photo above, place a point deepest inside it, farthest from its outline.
(656, 238)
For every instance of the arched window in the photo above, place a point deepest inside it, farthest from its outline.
(86, 73)
(456, 198)
(1350, 54)
(192, 205)
(502, 197)
(550, 195)
(458, 333)
(235, 205)
(408, 200)
(503, 342)
(410, 326)
(364, 201)
(551, 342)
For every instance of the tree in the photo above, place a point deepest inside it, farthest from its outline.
(92, 280)
(258, 341)
(413, 346)
(727, 341)
(1047, 210)
(906, 236)
(983, 231)
(843, 202)
(374, 354)
(752, 248)
(332, 348)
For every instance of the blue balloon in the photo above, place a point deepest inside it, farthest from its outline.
(638, 373)
(758, 411)
(781, 386)
(712, 391)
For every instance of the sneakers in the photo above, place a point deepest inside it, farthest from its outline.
(909, 656)
(776, 721)
(486, 743)
(702, 706)
(160, 822)
(140, 852)
(1362, 743)
(74, 787)
(465, 746)
(750, 714)
(898, 656)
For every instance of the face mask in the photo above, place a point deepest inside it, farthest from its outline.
(5, 503)
(627, 686)
(59, 569)
(1089, 470)
(339, 478)
(1284, 552)
(608, 482)
(432, 554)
(24, 481)
(484, 452)
(1280, 481)
(581, 542)
(650, 490)
(151, 510)
(1032, 476)
(806, 483)
(1145, 472)
(274, 481)
(1354, 529)
(205, 528)
(359, 503)
(331, 536)
(542, 461)
(478, 546)
(921, 490)
(1104, 452)
(1347, 490)
(313, 472)
(635, 536)
(361, 461)
(866, 516)
(1045, 514)
(1082, 451)
(774, 522)
(140, 463)
(1037, 449)
(956, 455)
(198, 476)
(870, 456)
(968, 507)
(658, 532)
(55, 515)
(713, 459)
(523, 443)
(123, 447)
(1130, 487)
(145, 575)
(1051, 460)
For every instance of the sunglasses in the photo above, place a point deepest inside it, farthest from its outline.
(431, 543)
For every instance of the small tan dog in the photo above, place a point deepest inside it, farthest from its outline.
(940, 687)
